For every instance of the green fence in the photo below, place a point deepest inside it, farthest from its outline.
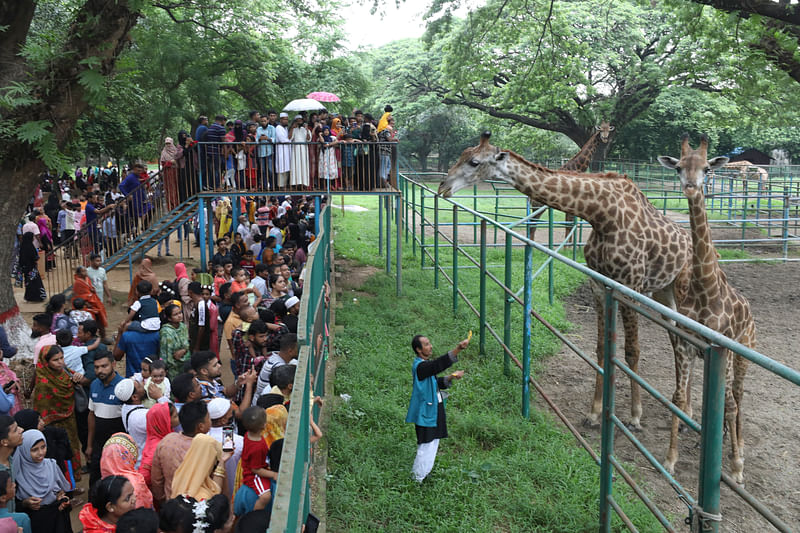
(292, 501)
(423, 211)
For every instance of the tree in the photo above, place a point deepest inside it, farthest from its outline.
(565, 66)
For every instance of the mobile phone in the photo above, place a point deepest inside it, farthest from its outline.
(8, 386)
(312, 523)
(227, 439)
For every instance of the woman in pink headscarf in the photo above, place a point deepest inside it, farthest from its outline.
(160, 420)
(46, 238)
(182, 284)
(119, 459)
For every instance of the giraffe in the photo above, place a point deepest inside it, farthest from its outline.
(580, 162)
(711, 300)
(631, 242)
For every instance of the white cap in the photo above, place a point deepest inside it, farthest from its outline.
(291, 302)
(124, 390)
(218, 407)
(284, 115)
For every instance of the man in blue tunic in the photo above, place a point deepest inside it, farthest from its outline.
(426, 409)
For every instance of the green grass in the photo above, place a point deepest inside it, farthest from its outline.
(496, 471)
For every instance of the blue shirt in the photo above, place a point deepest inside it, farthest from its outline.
(216, 134)
(91, 217)
(102, 400)
(22, 519)
(265, 146)
(137, 346)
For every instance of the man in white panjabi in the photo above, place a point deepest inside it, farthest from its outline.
(283, 151)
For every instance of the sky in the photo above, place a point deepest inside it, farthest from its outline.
(395, 23)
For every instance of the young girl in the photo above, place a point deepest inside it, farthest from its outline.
(158, 377)
(8, 490)
(79, 314)
(238, 248)
(40, 485)
(61, 320)
(109, 499)
(173, 341)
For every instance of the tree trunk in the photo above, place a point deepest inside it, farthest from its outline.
(99, 30)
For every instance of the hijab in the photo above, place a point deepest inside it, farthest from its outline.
(146, 272)
(28, 255)
(170, 151)
(158, 427)
(119, 459)
(38, 480)
(336, 127)
(180, 271)
(276, 422)
(193, 476)
(27, 419)
(53, 394)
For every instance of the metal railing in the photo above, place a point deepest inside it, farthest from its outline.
(704, 510)
(292, 501)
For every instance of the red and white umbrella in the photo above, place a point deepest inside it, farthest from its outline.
(321, 96)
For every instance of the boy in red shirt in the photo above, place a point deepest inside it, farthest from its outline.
(255, 468)
(248, 264)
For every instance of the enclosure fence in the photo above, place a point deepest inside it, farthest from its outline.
(421, 211)
(292, 499)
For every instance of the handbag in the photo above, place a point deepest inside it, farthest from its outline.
(81, 399)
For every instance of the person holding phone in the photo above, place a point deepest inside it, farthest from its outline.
(426, 409)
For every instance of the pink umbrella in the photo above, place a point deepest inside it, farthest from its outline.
(321, 96)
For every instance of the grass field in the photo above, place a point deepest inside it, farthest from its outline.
(496, 471)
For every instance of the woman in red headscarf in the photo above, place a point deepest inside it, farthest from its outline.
(82, 288)
(160, 420)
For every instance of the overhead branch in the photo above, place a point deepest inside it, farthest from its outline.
(784, 11)
(780, 56)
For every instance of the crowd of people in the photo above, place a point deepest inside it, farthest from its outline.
(169, 437)
(279, 152)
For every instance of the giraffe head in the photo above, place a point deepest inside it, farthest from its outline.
(476, 164)
(605, 130)
(693, 164)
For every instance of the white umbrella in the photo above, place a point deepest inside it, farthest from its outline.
(303, 104)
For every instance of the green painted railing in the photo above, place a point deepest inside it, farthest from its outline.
(292, 501)
(703, 512)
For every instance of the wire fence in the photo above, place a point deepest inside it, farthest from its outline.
(424, 227)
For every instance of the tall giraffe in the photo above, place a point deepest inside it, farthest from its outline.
(711, 300)
(581, 161)
(631, 241)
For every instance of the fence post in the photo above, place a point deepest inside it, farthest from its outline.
(422, 228)
(607, 429)
(475, 208)
(201, 227)
(526, 332)
(210, 234)
(713, 422)
(436, 242)
(380, 225)
(398, 255)
(482, 311)
(507, 306)
(385, 199)
(785, 224)
(550, 285)
(413, 219)
(455, 259)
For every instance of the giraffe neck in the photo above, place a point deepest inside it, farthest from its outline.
(704, 255)
(580, 161)
(593, 197)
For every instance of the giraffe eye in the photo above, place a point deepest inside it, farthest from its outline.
(474, 162)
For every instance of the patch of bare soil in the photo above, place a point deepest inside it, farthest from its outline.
(772, 436)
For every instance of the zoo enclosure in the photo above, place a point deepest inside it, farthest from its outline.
(704, 510)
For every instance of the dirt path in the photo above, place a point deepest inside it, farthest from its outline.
(772, 436)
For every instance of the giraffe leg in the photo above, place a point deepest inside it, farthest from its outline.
(630, 320)
(593, 418)
(683, 354)
(739, 370)
(731, 420)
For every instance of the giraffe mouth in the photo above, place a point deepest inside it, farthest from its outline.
(445, 191)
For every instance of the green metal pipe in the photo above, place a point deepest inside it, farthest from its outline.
(785, 234)
(550, 280)
(711, 436)
(455, 259)
(475, 217)
(413, 218)
(526, 332)
(422, 225)
(482, 306)
(507, 305)
(607, 429)
(385, 199)
(398, 254)
(436, 242)
(380, 226)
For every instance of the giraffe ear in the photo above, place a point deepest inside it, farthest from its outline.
(667, 161)
(500, 156)
(718, 162)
